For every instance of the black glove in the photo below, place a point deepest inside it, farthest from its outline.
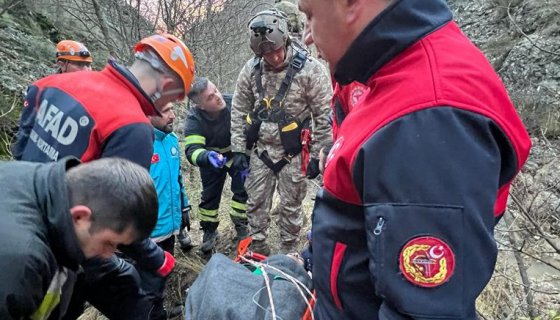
(186, 218)
(312, 168)
(239, 161)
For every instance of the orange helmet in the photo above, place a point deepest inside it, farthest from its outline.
(174, 53)
(72, 51)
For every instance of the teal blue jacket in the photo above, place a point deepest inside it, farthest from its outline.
(166, 173)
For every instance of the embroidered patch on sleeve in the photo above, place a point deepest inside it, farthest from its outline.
(155, 158)
(427, 261)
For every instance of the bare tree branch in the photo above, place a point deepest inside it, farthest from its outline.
(501, 274)
(535, 224)
(103, 26)
(512, 249)
(525, 35)
(514, 240)
(9, 5)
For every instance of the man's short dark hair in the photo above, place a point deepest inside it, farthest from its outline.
(119, 193)
(199, 85)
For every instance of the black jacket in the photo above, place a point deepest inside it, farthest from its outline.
(427, 143)
(38, 243)
(204, 134)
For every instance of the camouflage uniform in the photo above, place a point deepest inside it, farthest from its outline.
(295, 18)
(296, 23)
(309, 97)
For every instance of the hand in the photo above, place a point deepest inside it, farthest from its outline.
(239, 161)
(217, 160)
(244, 174)
(313, 168)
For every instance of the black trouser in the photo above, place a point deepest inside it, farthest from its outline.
(168, 244)
(212, 185)
(113, 287)
(154, 286)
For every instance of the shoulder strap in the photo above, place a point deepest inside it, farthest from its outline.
(297, 63)
(257, 70)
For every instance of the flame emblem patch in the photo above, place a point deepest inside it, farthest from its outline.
(427, 261)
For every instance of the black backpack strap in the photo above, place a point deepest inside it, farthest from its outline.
(257, 70)
(297, 63)
(275, 167)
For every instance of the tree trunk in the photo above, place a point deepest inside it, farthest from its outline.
(516, 243)
(103, 27)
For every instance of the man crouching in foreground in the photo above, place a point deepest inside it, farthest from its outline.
(56, 215)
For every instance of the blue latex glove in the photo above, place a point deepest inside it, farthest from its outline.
(244, 174)
(217, 160)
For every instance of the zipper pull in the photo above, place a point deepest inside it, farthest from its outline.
(379, 227)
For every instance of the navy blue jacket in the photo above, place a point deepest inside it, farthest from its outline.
(204, 134)
(427, 143)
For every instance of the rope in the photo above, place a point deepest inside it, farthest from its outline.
(298, 284)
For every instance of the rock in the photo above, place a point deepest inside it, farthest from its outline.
(522, 41)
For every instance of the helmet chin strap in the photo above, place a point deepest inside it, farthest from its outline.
(155, 97)
(158, 95)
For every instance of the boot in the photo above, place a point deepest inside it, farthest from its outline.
(241, 229)
(185, 242)
(210, 236)
(158, 311)
(260, 247)
(175, 312)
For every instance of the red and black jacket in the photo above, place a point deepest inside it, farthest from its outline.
(90, 115)
(427, 143)
(101, 114)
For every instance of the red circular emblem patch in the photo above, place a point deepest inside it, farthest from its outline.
(155, 158)
(427, 261)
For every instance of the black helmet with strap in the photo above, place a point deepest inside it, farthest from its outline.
(268, 31)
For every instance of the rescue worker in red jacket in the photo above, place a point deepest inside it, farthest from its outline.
(93, 115)
(427, 144)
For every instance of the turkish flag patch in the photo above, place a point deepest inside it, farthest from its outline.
(427, 261)
(155, 158)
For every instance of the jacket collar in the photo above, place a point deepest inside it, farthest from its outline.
(160, 135)
(54, 199)
(206, 116)
(115, 70)
(395, 29)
